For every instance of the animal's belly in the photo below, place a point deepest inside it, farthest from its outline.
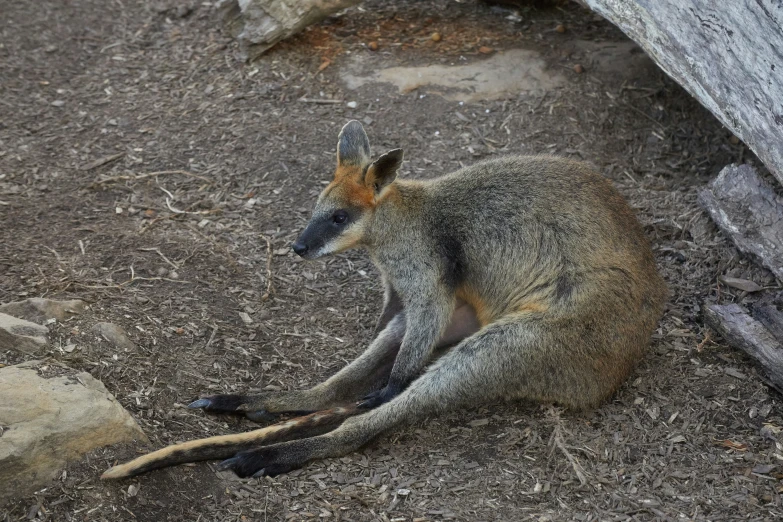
(463, 323)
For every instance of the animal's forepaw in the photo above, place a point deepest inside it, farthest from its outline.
(379, 397)
(232, 404)
(219, 403)
(260, 462)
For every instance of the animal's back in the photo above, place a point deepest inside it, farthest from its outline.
(550, 241)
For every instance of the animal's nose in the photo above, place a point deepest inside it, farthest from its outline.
(300, 248)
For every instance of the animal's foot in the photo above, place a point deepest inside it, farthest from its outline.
(240, 404)
(266, 461)
(378, 397)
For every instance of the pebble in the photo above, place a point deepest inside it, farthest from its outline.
(436, 37)
(352, 104)
(560, 28)
(578, 68)
(373, 46)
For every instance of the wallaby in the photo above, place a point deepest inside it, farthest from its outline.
(523, 277)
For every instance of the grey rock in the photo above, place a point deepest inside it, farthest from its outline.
(39, 310)
(22, 336)
(52, 415)
(114, 334)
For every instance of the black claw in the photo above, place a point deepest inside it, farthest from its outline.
(220, 403)
(229, 463)
(260, 473)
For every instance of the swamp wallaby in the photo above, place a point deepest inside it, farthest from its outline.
(524, 277)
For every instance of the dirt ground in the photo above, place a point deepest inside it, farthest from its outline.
(97, 95)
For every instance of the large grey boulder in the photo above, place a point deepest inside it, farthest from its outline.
(39, 310)
(20, 335)
(50, 415)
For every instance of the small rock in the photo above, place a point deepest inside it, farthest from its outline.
(22, 336)
(51, 421)
(115, 335)
(436, 37)
(734, 140)
(373, 46)
(560, 28)
(352, 104)
(58, 103)
(40, 310)
(578, 69)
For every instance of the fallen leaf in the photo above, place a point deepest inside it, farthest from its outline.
(740, 284)
(485, 50)
(730, 444)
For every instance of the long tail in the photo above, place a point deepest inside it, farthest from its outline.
(224, 446)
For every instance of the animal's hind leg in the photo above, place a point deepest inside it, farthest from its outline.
(513, 357)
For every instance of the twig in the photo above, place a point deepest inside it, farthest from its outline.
(557, 437)
(268, 292)
(102, 161)
(319, 101)
(53, 251)
(215, 243)
(169, 194)
(211, 337)
(191, 212)
(149, 175)
(707, 338)
(166, 259)
(133, 279)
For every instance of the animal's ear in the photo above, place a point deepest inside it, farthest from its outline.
(353, 147)
(383, 170)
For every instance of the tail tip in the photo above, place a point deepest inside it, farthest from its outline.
(113, 473)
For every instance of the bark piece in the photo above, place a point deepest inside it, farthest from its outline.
(50, 415)
(743, 332)
(746, 209)
(259, 24)
(728, 54)
(772, 319)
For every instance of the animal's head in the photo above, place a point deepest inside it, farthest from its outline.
(347, 204)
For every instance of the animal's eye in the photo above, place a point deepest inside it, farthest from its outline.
(340, 217)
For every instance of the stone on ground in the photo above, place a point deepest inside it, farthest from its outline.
(39, 310)
(114, 335)
(20, 335)
(51, 415)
